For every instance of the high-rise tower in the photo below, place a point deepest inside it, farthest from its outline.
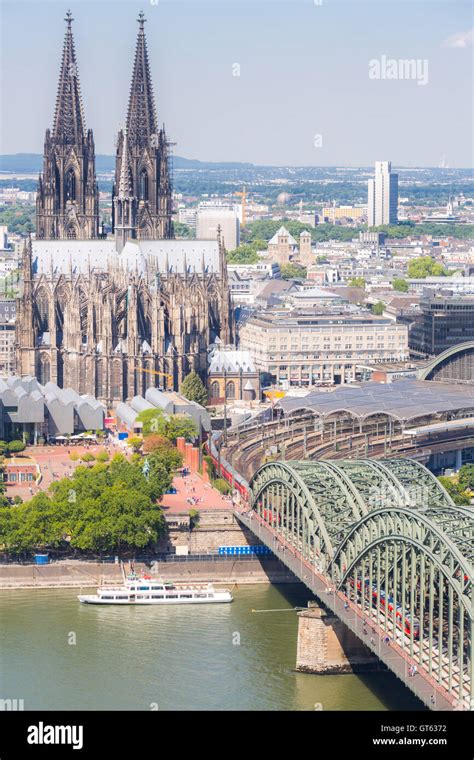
(382, 205)
(67, 203)
(142, 190)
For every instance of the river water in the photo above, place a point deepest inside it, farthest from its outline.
(187, 657)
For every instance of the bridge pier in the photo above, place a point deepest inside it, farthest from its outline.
(327, 646)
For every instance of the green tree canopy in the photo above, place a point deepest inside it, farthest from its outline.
(244, 254)
(455, 491)
(149, 419)
(398, 283)
(110, 507)
(170, 426)
(425, 266)
(357, 282)
(194, 389)
(292, 271)
(15, 447)
(378, 308)
(181, 230)
(466, 477)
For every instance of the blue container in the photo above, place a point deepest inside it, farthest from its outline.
(122, 436)
(41, 559)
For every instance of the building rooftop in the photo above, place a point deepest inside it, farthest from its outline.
(231, 361)
(282, 231)
(404, 400)
(63, 256)
(330, 316)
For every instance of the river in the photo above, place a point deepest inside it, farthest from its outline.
(59, 654)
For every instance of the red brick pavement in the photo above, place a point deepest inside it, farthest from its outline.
(193, 487)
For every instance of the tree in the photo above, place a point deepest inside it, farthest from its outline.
(181, 230)
(150, 419)
(425, 266)
(292, 271)
(160, 449)
(194, 389)
(466, 477)
(244, 254)
(135, 443)
(105, 508)
(14, 447)
(222, 486)
(194, 518)
(357, 282)
(178, 426)
(398, 283)
(154, 442)
(170, 426)
(378, 308)
(454, 490)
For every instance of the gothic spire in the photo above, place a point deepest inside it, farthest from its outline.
(141, 116)
(124, 189)
(69, 123)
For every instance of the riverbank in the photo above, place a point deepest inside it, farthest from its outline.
(76, 574)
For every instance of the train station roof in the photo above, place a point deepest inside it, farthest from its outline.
(404, 400)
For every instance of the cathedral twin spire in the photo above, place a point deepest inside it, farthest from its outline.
(68, 196)
(141, 114)
(142, 189)
(69, 122)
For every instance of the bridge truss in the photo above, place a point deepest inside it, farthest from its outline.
(391, 540)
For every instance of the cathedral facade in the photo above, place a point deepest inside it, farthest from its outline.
(113, 315)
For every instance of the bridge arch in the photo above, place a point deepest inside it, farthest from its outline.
(456, 364)
(389, 539)
(410, 573)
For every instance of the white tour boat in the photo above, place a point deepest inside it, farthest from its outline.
(150, 591)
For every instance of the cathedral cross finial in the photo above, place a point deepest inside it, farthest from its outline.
(69, 19)
(141, 20)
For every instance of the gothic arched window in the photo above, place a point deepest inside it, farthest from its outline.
(99, 379)
(215, 389)
(143, 190)
(44, 369)
(71, 233)
(230, 389)
(116, 380)
(70, 189)
(42, 304)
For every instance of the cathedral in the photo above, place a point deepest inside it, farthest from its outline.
(111, 315)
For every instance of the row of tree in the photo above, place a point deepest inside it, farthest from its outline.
(102, 509)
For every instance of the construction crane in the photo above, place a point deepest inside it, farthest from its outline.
(155, 372)
(243, 195)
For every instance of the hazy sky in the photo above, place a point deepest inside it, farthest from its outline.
(304, 95)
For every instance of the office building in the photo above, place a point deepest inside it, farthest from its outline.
(382, 202)
(444, 321)
(305, 348)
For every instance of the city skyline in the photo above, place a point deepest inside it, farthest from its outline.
(241, 52)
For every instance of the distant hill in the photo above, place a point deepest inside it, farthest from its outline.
(31, 163)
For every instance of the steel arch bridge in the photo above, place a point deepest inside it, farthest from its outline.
(391, 541)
